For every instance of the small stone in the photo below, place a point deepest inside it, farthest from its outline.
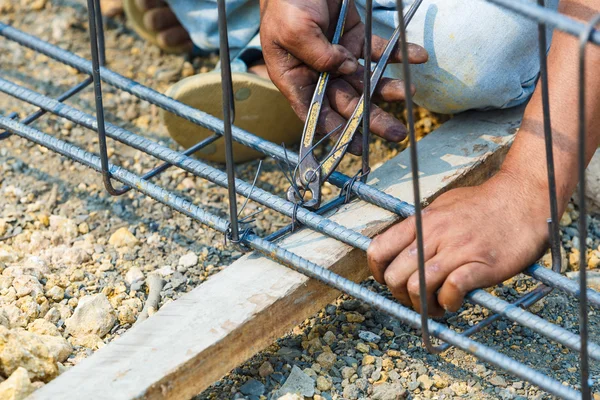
(368, 360)
(134, 275)
(189, 260)
(326, 360)
(347, 372)
(91, 341)
(329, 337)
(363, 348)
(26, 349)
(83, 228)
(498, 381)
(565, 220)
(354, 317)
(413, 385)
(369, 336)
(351, 392)
(324, 384)
(298, 382)
(43, 327)
(64, 228)
(388, 391)
(187, 69)
(55, 293)
(425, 382)
(351, 305)
(265, 369)
(253, 388)
(122, 237)
(17, 386)
(94, 314)
(53, 315)
(291, 396)
(27, 285)
(439, 382)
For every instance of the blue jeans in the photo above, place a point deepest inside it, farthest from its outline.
(480, 55)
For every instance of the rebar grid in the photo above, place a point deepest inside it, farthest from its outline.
(351, 186)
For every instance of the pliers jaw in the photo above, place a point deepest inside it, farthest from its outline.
(307, 190)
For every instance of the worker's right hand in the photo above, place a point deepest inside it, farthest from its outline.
(294, 37)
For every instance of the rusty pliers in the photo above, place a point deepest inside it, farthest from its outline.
(311, 174)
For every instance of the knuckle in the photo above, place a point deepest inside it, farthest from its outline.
(413, 288)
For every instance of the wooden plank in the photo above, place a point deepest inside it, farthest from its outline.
(194, 341)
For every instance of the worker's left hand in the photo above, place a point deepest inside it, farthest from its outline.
(474, 237)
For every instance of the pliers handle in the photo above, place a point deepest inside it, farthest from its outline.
(310, 173)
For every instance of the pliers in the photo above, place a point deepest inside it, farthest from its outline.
(310, 174)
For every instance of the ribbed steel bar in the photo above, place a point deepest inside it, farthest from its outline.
(551, 278)
(366, 121)
(362, 190)
(532, 321)
(294, 261)
(94, 22)
(549, 17)
(228, 118)
(189, 164)
(64, 96)
(525, 301)
(553, 222)
(586, 349)
(414, 169)
(310, 219)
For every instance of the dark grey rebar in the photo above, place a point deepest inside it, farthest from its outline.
(414, 166)
(228, 117)
(553, 222)
(366, 128)
(525, 301)
(64, 96)
(92, 7)
(292, 260)
(267, 199)
(548, 17)
(584, 366)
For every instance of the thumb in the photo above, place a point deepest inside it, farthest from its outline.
(318, 52)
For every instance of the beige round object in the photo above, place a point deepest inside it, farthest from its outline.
(135, 16)
(259, 108)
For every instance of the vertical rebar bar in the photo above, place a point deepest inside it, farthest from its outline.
(228, 118)
(414, 165)
(586, 391)
(554, 218)
(367, 90)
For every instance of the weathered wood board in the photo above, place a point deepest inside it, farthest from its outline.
(194, 341)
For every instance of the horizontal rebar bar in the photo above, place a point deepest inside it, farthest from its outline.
(532, 321)
(294, 261)
(547, 16)
(189, 164)
(525, 301)
(363, 191)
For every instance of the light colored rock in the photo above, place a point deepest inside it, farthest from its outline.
(291, 396)
(326, 360)
(17, 386)
(58, 347)
(43, 327)
(324, 384)
(388, 391)
(56, 293)
(4, 321)
(27, 285)
(7, 256)
(189, 260)
(16, 317)
(94, 314)
(19, 348)
(329, 337)
(53, 315)
(134, 275)
(369, 336)
(297, 383)
(90, 341)
(64, 227)
(122, 237)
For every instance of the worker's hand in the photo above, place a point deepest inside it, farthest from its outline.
(295, 37)
(474, 237)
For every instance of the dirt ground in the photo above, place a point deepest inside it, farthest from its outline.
(62, 239)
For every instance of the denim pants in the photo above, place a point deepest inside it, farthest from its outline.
(480, 55)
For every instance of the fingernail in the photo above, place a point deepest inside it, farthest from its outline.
(348, 67)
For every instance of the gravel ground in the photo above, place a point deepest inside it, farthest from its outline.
(75, 261)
